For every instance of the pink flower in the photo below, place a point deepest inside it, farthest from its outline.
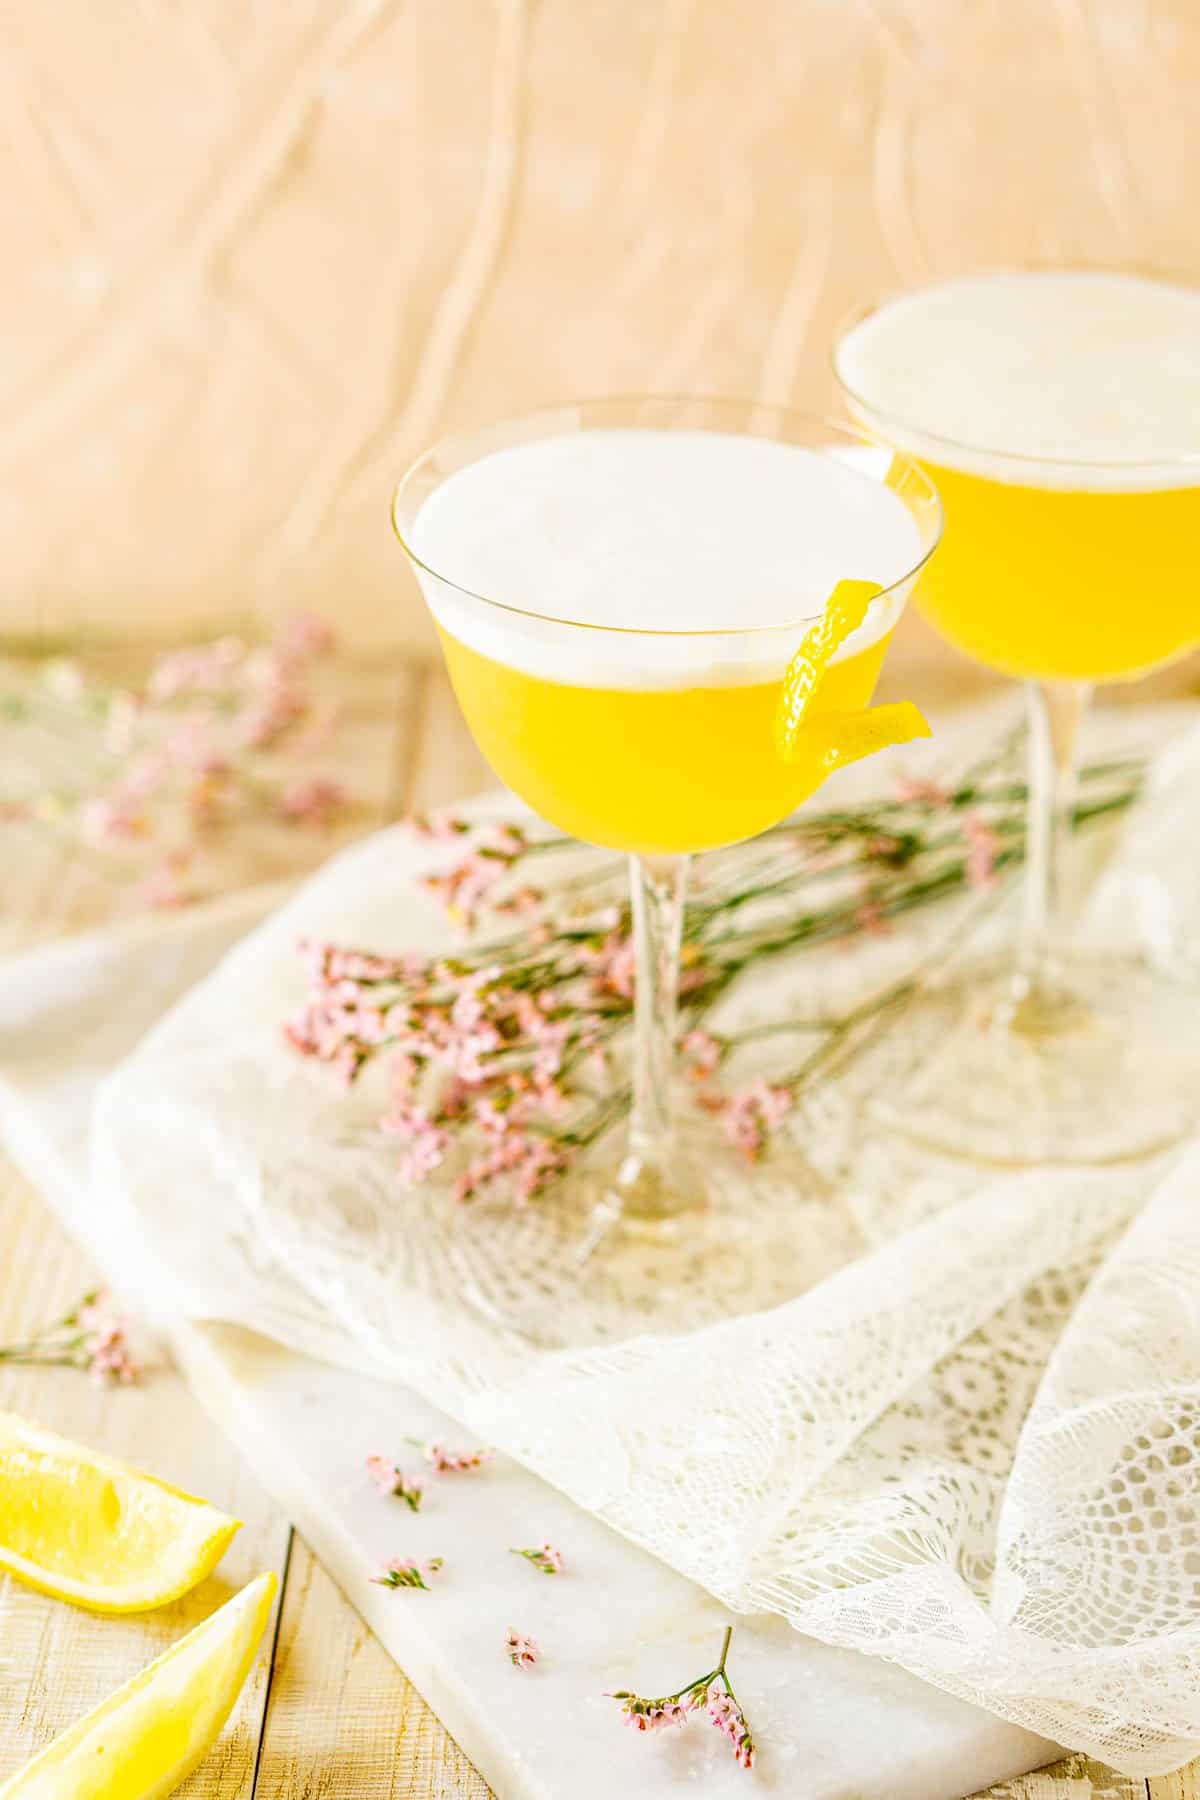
(725, 1713)
(302, 636)
(748, 1118)
(275, 708)
(710, 1694)
(314, 801)
(923, 793)
(703, 1053)
(106, 1343)
(162, 886)
(454, 1462)
(543, 1557)
(402, 1573)
(523, 1652)
(870, 917)
(191, 746)
(435, 825)
(392, 1482)
(112, 818)
(983, 847)
(615, 970)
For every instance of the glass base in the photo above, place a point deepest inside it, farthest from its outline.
(602, 1257)
(1088, 1066)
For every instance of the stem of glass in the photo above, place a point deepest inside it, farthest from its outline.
(648, 1182)
(1056, 711)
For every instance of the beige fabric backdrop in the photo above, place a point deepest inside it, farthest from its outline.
(256, 252)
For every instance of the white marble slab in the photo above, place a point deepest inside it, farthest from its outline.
(831, 1725)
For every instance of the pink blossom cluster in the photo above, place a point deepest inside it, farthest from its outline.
(473, 883)
(711, 1695)
(106, 1342)
(401, 1572)
(91, 1336)
(444, 1461)
(748, 1117)
(199, 744)
(393, 1482)
(544, 1557)
(729, 1719)
(493, 1057)
(983, 849)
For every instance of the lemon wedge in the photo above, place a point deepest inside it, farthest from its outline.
(145, 1739)
(86, 1529)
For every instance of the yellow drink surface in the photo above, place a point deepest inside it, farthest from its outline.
(1065, 583)
(651, 770)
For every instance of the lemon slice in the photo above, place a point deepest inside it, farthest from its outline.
(843, 738)
(145, 1739)
(79, 1526)
(845, 610)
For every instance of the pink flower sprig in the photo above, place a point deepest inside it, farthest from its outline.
(392, 1481)
(543, 1557)
(444, 1461)
(522, 1651)
(710, 1694)
(469, 886)
(91, 1336)
(159, 770)
(402, 1573)
(503, 1060)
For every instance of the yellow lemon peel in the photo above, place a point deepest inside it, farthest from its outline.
(837, 738)
(843, 738)
(845, 610)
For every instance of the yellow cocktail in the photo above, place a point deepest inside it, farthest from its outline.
(1059, 414)
(651, 770)
(620, 589)
(1065, 584)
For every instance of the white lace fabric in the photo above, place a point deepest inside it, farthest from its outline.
(973, 1447)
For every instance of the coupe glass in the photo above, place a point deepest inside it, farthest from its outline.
(682, 762)
(1063, 575)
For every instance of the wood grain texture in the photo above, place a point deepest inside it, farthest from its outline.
(341, 1720)
(56, 1662)
(257, 255)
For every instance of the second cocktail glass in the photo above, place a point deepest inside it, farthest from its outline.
(619, 587)
(1057, 412)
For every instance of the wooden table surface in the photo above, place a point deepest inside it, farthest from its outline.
(327, 1715)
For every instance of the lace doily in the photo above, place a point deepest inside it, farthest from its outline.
(971, 1446)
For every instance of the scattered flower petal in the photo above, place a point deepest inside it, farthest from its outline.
(522, 1651)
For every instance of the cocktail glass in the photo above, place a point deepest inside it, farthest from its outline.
(1063, 574)
(677, 758)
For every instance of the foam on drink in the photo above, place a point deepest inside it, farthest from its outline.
(1059, 379)
(647, 536)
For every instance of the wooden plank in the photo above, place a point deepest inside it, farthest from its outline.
(1075, 1778)
(342, 1719)
(59, 1662)
(1184, 1785)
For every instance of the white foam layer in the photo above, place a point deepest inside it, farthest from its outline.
(1095, 378)
(658, 558)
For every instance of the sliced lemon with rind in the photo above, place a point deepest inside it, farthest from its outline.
(149, 1736)
(839, 739)
(84, 1528)
(845, 610)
